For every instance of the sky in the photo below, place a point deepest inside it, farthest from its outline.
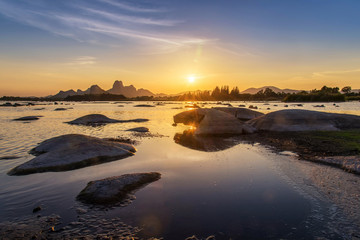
(171, 46)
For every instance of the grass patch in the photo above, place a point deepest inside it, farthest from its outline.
(345, 142)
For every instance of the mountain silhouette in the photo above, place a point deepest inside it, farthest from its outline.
(117, 89)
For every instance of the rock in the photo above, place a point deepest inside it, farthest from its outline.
(114, 189)
(139, 129)
(27, 118)
(253, 107)
(243, 114)
(304, 120)
(213, 122)
(99, 119)
(72, 151)
(144, 105)
(60, 109)
(93, 119)
(219, 123)
(37, 209)
(191, 116)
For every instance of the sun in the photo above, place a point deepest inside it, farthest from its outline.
(191, 78)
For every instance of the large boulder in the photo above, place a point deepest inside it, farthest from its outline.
(114, 189)
(72, 151)
(242, 114)
(191, 117)
(304, 120)
(219, 123)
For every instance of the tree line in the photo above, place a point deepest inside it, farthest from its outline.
(223, 93)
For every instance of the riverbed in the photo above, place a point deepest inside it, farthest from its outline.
(244, 191)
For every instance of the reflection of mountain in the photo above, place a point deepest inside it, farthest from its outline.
(117, 89)
(206, 144)
(275, 89)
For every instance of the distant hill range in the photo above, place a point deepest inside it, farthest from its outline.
(117, 89)
(275, 89)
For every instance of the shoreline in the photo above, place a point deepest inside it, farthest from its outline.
(321, 147)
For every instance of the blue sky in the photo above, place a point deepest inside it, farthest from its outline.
(155, 44)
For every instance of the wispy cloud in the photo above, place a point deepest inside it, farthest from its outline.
(129, 7)
(83, 60)
(131, 19)
(331, 73)
(103, 25)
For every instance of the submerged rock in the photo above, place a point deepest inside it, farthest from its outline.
(243, 114)
(139, 129)
(27, 118)
(304, 120)
(72, 151)
(114, 189)
(93, 119)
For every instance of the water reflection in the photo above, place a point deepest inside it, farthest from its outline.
(206, 144)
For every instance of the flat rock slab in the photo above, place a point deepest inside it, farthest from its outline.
(72, 151)
(139, 129)
(304, 120)
(99, 119)
(114, 189)
(27, 118)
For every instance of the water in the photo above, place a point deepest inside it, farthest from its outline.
(244, 191)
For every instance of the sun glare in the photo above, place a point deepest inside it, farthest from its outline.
(191, 78)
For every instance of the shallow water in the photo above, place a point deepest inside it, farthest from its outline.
(245, 191)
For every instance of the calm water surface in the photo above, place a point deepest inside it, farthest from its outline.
(239, 192)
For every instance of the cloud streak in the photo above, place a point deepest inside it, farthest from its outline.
(86, 24)
(330, 73)
(132, 8)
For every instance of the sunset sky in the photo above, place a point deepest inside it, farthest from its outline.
(171, 46)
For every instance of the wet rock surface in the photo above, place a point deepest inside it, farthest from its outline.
(115, 189)
(304, 120)
(72, 151)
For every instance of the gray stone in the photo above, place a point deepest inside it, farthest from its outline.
(114, 189)
(72, 151)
